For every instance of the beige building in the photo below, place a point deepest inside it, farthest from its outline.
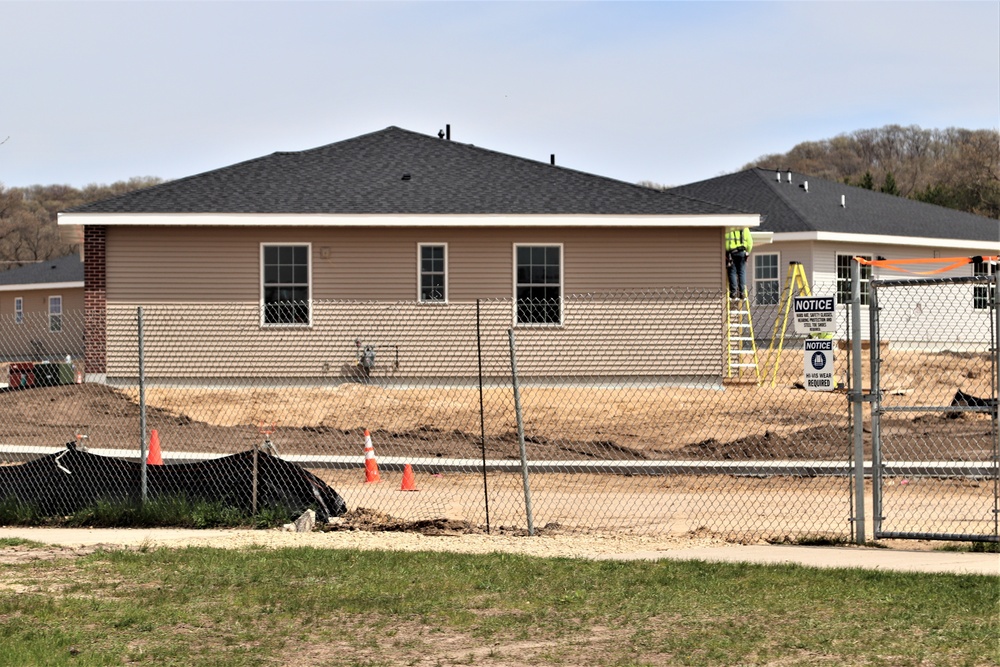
(41, 311)
(284, 259)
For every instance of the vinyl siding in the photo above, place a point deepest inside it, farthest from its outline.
(180, 265)
(32, 340)
(200, 292)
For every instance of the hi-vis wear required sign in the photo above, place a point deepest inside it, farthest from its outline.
(815, 314)
(818, 357)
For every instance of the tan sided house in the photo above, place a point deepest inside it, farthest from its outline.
(286, 252)
(38, 304)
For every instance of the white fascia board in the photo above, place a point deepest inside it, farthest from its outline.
(882, 239)
(440, 221)
(762, 238)
(49, 287)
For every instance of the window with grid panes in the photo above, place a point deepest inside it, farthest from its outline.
(285, 284)
(538, 284)
(844, 268)
(433, 273)
(766, 281)
(982, 295)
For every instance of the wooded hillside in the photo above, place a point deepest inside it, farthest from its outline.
(28, 230)
(956, 168)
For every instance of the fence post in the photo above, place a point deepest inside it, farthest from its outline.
(875, 408)
(142, 408)
(520, 433)
(856, 396)
(482, 415)
(996, 395)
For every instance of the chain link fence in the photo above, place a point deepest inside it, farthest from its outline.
(627, 415)
(935, 428)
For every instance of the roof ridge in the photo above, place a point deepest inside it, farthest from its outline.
(785, 201)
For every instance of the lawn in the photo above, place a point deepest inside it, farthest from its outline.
(307, 606)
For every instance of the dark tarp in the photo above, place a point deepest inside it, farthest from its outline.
(68, 481)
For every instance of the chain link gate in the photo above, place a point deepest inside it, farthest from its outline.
(934, 409)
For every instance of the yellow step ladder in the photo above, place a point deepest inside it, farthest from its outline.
(742, 345)
(796, 284)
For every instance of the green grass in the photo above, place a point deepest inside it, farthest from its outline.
(255, 606)
(171, 511)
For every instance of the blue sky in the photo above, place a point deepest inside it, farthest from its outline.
(670, 92)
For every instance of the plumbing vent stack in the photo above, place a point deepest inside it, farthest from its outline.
(843, 201)
(777, 175)
(552, 159)
(805, 185)
(789, 175)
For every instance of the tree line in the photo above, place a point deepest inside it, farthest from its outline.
(28, 229)
(954, 167)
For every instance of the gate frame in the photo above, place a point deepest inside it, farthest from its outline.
(877, 410)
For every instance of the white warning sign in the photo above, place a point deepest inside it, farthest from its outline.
(815, 314)
(818, 358)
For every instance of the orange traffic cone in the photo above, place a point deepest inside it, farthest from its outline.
(371, 465)
(155, 458)
(409, 483)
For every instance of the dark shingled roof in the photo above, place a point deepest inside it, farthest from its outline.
(395, 171)
(68, 269)
(788, 207)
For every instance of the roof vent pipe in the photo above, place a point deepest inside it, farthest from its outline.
(789, 175)
(843, 201)
(447, 132)
(777, 175)
(552, 159)
(805, 185)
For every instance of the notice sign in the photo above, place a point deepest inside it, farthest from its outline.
(818, 356)
(815, 314)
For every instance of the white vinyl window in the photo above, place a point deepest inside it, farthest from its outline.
(285, 278)
(982, 295)
(844, 268)
(55, 314)
(433, 270)
(18, 310)
(766, 281)
(538, 284)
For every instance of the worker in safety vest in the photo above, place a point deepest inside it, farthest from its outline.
(739, 243)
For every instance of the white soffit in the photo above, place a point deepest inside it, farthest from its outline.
(48, 287)
(881, 239)
(441, 221)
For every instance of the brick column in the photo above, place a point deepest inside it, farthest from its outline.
(95, 299)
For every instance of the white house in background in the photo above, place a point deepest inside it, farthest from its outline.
(823, 224)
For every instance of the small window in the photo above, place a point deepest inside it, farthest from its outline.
(983, 295)
(55, 314)
(766, 285)
(433, 272)
(538, 284)
(844, 268)
(18, 310)
(285, 273)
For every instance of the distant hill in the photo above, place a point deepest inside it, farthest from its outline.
(28, 229)
(956, 168)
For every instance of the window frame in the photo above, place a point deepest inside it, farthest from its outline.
(777, 278)
(55, 318)
(309, 285)
(420, 273)
(865, 279)
(18, 310)
(982, 295)
(562, 279)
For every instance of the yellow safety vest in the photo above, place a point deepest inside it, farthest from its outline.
(739, 238)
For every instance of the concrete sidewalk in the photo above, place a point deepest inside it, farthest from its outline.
(869, 558)
(902, 560)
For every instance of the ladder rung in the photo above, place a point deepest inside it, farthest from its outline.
(743, 365)
(743, 352)
(742, 338)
